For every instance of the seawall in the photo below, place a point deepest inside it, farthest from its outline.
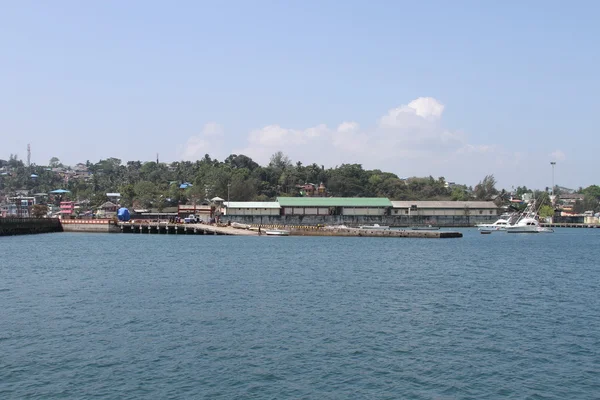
(89, 225)
(28, 226)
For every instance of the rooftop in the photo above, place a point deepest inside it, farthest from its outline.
(445, 204)
(252, 204)
(334, 202)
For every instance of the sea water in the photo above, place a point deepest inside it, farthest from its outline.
(139, 316)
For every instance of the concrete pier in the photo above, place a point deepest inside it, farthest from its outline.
(389, 233)
(27, 226)
(204, 229)
(182, 229)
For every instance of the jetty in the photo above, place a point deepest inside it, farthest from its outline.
(183, 229)
(295, 230)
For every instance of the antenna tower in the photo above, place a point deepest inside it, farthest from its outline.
(29, 155)
(157, 158)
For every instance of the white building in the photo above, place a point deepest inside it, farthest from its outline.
(252, 208)
(444, 208)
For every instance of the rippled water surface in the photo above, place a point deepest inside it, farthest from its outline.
(138, 316)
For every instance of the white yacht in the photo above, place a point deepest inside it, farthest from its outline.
(528, 223)
(524, 225)
(499, 225)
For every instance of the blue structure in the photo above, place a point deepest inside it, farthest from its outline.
(123, 214)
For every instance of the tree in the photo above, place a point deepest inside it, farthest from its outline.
(145, 193)
(459, 193)
(546, 211)
(486, 189)
(39, 210)
(279, 161)
(54, 162)
(592, 191)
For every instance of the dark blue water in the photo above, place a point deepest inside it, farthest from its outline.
(177, 317)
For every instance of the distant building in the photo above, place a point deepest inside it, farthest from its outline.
(67, 208)
(114, 197)
(252, 208)
(312, 190)
(107, 210)
(334, 205)
(205, 212)
(444, 208)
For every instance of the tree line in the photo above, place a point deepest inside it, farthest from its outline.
(237, 178)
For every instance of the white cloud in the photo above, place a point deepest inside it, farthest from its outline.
(204, 143)
(422, 111)
(403, 139)
(212, 129)
(557, 155)
(408, 140)
(348, 127)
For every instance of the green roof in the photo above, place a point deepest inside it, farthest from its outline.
(334, 202)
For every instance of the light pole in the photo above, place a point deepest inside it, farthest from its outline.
(228, 186)
(553, 163)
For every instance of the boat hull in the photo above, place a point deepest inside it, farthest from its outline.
(277, 233)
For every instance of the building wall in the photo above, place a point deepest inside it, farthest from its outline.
(355, 220)
(306, 210)
(326, 211)
(445, 212)
(253, 211)
(363, 211)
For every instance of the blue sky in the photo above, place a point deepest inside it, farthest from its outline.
(455, 89)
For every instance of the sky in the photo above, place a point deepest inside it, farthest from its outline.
(458, 89)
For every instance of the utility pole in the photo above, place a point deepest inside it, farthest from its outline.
(227, 208)
(553, 163)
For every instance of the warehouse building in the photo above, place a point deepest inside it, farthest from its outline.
(444, 208)
(355, 206)
(251, 208)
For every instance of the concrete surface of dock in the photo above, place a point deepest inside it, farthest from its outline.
(205, 229)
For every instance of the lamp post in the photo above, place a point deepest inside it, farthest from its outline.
(553, 163)
(228, 186)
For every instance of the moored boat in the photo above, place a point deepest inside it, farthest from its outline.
(277, 232)
(425, 228)
(374, 226)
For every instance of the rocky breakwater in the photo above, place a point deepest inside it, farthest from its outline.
(358, 232)
(28, 226)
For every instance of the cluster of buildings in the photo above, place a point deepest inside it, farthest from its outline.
(311, 210)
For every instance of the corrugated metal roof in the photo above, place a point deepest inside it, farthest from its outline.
(252, 204)
(334, 202)
(445, 204)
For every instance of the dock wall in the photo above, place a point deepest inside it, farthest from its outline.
(27, 226)
(95, 225)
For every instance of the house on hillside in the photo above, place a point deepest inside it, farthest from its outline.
(107, 210)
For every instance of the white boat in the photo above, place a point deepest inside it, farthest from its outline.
(277, 232)
(528, 223)
(524, 225)
(499, 225)
(374, 226)
(543, 229)
(424, 228)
